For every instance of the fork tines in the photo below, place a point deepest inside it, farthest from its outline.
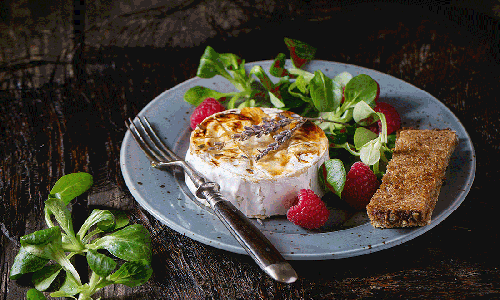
(154, 148)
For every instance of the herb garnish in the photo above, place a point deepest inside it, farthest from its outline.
(273, 125)
(342, 106)
(268, 126)
(282, 136)
(59, 243)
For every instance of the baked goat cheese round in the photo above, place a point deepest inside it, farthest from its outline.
(258, 185)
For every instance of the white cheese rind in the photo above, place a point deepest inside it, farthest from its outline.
(259, 198)
(261, 193)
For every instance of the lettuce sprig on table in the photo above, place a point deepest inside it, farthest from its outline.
(48, 253)
(345, 100)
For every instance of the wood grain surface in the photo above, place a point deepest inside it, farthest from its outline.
(76, 126)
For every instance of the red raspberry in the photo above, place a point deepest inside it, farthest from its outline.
(310, 212)
(360, 185)
(207, 108)
(392, 118)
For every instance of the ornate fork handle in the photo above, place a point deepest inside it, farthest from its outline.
(255, 243)
(251, 238)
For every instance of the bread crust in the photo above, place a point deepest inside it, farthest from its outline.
(410, 188)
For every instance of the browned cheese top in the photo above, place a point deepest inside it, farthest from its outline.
(213, 141)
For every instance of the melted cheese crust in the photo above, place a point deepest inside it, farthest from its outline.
(260, 188)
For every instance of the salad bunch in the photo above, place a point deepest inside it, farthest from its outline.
(343, 106)
(48, 253)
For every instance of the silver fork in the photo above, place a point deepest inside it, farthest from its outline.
(246, 233)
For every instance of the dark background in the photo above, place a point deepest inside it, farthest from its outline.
(64, 98)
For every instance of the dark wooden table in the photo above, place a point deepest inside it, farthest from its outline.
(78, 125)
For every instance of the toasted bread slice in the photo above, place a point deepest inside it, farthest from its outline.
(410, 188)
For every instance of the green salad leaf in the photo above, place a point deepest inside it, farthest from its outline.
(101, 264)
(44, 277)
(300, 52)
(321, 89)
(197, 94)
(25, 263)
(34, 294)
(278, 67)
(71, 186)
(132, 273)
(130, 243)
(333, 175)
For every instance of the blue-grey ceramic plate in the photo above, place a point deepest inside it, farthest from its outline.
(163, 194)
